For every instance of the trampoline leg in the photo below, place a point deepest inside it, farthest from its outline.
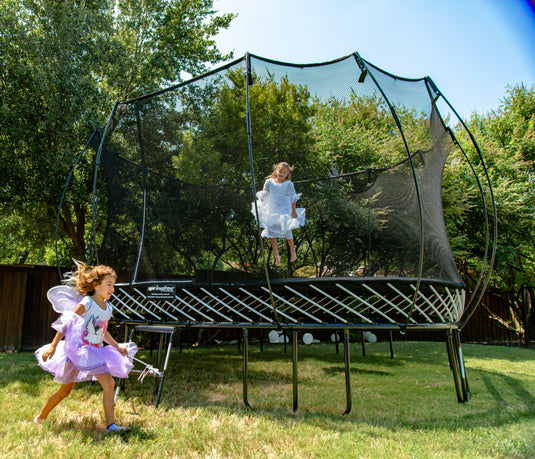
(157, 386)
(454, 365)
(245, 361)
(161, 330)
(121, 382)
(391, 346)
(294, 361)
(347, 371)
(167, 355)
(464, 380)
(117, 390)
(363, 347)
(160, 387)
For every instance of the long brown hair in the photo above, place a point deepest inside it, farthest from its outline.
(85, 276)
(277, 166)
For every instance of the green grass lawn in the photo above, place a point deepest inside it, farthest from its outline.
(405, 407)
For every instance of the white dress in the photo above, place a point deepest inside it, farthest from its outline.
(275, 209)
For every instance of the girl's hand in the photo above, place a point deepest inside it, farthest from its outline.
(49, 353)
(122, 350)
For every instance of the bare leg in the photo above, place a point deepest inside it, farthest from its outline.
(108, 384)
(275, 247)
(55, 398)
(293, 255)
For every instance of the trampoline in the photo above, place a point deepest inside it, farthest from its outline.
(174, 174)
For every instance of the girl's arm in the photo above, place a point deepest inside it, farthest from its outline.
(294, 213)
(49, 353)
(80, 309)
(111, 341)
(266, 187)
(292, 197)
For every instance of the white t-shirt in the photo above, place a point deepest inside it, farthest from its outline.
(96, 322)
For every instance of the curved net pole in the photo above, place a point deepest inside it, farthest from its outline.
(144, 216)
(248, 82)
(434, 93)
(486, 280)
(95, 133)
(364, 68)
(487, 232)
(92, 240)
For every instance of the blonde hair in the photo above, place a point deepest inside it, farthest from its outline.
(85, 276)
(277, 166)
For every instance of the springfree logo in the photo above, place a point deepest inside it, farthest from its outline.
(161, 292)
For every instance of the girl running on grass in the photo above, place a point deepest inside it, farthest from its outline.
(82, 356)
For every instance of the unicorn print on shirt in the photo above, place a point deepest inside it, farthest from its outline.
(94, 332)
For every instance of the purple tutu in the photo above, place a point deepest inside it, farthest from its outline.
(75, 361)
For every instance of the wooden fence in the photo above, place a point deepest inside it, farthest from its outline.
(26, 314)
(503, 318)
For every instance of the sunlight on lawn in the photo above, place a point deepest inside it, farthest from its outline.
(402, 407)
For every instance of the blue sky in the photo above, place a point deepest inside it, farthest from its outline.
(472, 49)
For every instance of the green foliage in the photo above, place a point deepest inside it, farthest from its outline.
(507, 140)
(159, 40)
(357, 135)
(216, 149)
(63, 65)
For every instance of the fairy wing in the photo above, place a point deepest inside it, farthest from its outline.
(64, 298)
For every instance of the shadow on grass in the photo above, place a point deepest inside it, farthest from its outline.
(488, 352)
(490, 380)
(356, 371)
(421, 382)
(21, 368)
(414, 390)
(90, 433)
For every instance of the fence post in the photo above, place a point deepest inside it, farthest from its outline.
(525, 314)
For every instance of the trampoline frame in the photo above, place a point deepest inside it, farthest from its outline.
(363, 304)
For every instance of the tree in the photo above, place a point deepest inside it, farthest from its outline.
(63, 65)
(506, 137)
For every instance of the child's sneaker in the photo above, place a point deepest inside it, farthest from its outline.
(114, 428)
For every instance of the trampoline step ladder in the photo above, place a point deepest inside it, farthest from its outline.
(163, 331)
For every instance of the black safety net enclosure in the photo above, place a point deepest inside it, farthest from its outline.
(175, 212)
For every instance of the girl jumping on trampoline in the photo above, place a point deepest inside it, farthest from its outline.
(82, 356)
(277, 209)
